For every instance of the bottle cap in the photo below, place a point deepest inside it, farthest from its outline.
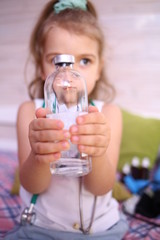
(126, 169)
(63, 58)
(146, 162)
(135, 161)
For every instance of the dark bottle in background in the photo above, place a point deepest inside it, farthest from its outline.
(135, 168)
(125, 171)
(145, 168)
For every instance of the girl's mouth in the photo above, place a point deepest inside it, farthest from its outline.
(64, 84)
(69, 88)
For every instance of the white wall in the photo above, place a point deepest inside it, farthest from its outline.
(133, 33)
(132, 30)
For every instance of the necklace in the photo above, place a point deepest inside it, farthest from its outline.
(88, 229)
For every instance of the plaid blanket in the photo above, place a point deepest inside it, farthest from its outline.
(142, 228)
(9, 204)
(139, 227)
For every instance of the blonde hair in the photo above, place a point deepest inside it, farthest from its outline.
(74, 20)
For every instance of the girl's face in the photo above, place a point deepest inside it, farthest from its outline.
(84, 49)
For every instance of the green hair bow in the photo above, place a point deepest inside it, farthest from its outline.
(64, 4)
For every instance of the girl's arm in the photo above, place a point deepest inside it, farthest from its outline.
(99, 135)
(38, 146)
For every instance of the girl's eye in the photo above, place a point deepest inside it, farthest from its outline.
(84, 61)
(52, 61)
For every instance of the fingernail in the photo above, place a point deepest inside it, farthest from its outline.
(75, 138)
(74, 129)
(65, 145)
(57, 155)
(67, 135)
(80, 120)
(59, 124)
(81, 148)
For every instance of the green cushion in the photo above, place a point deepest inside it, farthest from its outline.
(140, 138)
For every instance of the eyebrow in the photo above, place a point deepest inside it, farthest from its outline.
(51, 54)
(88, 55)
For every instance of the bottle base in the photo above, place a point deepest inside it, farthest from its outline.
(71, 167)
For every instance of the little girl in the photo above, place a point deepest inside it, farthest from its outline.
(65, 207)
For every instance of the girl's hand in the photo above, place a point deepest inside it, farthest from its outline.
(47, 137)
(92, 133)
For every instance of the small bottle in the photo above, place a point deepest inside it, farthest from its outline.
(145, 168)
(125, 171)
(66, 98)
(135, 168)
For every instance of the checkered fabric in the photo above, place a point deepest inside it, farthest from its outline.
(9, 204)
(143, 228)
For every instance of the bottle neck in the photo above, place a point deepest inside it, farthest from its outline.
(64, 65)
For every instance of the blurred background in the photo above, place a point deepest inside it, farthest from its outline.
(132, 31)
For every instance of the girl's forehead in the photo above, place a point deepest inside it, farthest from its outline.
(55, 29)
(60, 34)
(61, 40)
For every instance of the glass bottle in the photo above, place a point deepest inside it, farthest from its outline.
(125, 171)
(66, 98)
(135, 168)
(145, 172)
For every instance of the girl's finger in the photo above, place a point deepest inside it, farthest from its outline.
(48, 157)
(92, 109)
(93, 117)
(49, 135)
(92, 151)
(98, 141)
(89, 129)
(41, 112)
(48, 148)
(46, 124)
